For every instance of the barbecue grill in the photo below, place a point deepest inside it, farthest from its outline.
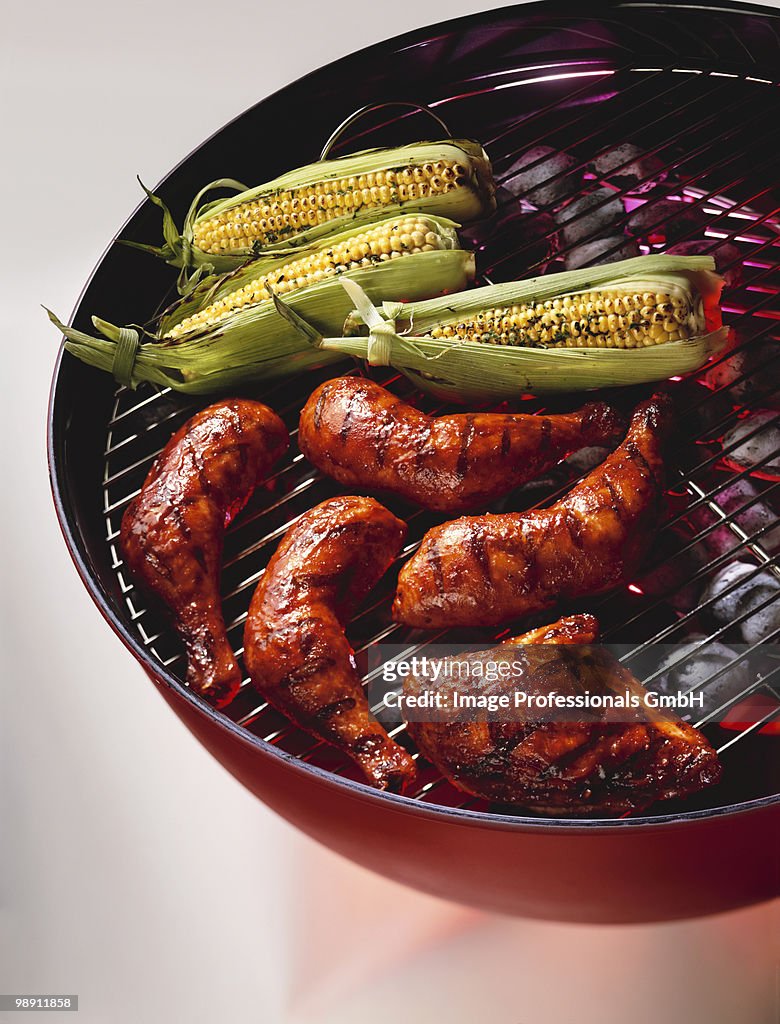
(696, 89)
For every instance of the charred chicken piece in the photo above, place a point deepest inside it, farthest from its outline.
(483, 570)
(601, 767)
(294, 644)
(363, 436)
(172, 532)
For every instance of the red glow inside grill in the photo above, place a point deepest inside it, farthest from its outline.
(752, 710)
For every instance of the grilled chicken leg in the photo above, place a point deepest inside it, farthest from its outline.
(596, 767)
(294, 644)
(367, 439)
(172, 532)
(483, 570)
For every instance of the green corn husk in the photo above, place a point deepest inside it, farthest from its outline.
(255, 343)
(469, 371)
(475, 198)
(211, 289)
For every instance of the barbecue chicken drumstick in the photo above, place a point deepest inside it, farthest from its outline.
(363, 436)
(483, 570)
(172, 532)
(294, 644)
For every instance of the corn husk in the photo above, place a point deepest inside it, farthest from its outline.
(214, 287)
(467, 371)
(463, 204)
(255, 343)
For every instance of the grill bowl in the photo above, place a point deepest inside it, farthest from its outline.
(694, 87)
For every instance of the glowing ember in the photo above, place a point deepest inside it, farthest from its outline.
(749, 712)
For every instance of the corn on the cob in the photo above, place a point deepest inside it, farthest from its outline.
(350, 250)
(253, 342)
(642, 320)
(452, 178)
(607, 318)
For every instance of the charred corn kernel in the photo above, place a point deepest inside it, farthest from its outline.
(342, 253)
(586, 319)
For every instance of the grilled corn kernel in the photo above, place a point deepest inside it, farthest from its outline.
(363, 249)
(272, 218)
(603, 319)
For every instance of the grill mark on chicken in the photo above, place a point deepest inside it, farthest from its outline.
(478, 548)
(200, 557)
(618, 505)
(326, 563)
(204, 484)
(345, 423)
(435, 562)
(504, 745)
(366, 438)
(358, 530)
(591, 540)
(633, 763)
(383, 440)
(319, 406)
(637, 457)
(574, 528)
(336, 708)
(308, 638)
(527, 578)
(423, 452)
(386, 430)
(311, 667)
(159, 565)
(172, 533)
(506, 442)
(466, 437)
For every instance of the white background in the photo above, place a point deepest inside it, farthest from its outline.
(134, 870)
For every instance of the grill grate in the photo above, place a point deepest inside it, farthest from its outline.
(716, 165)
